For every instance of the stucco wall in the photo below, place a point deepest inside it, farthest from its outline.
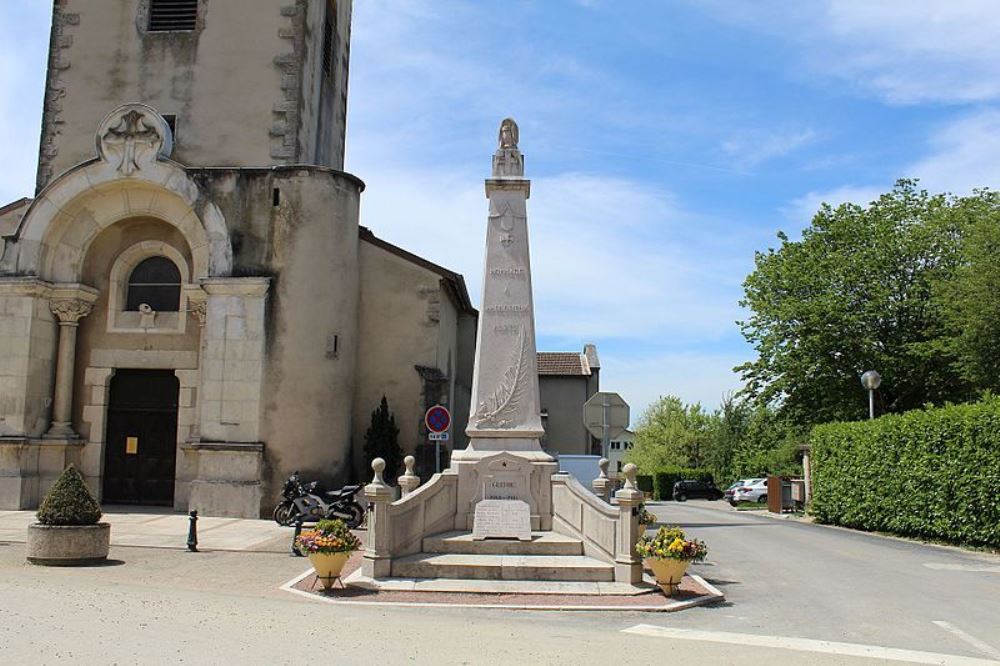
(563, 399)
(312, 326)
(405, 320)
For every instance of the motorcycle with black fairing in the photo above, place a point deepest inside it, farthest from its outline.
(309, 503)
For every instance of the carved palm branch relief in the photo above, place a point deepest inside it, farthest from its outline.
(496, 411)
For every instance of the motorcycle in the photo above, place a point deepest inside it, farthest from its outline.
(310, 503)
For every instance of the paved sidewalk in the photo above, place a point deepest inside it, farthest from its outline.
(167, 530)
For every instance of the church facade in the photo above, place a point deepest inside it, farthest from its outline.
(189, 309)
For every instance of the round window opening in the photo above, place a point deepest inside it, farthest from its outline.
(157, 283)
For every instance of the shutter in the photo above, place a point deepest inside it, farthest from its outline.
(170, 15)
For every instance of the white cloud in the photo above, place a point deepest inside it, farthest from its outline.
(611, 258)
(750, 149)
(965, 154)
(903, 51)
(801, 210)
(962, 155)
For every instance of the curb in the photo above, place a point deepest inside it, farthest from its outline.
(714, 596)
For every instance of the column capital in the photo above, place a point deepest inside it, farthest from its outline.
(70, 310)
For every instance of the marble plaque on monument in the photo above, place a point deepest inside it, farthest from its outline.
(502, 519)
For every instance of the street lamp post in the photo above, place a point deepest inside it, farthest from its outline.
(871, 381)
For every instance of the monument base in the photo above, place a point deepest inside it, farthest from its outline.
(504, 475)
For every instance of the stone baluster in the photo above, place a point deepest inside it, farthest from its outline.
(628, 566)
(69, 311)
(602, 484)
(376, 562)
(409, 481)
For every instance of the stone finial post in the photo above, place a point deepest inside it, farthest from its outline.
(376, 562)
(628, 566)
(602, 484)
(409, 481)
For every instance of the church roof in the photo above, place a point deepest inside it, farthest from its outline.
(571, 364)
(454, 282)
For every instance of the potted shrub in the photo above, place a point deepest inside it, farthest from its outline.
(668, 554)
(68, 532)
(328, 546)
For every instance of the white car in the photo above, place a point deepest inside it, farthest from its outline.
(755, 490)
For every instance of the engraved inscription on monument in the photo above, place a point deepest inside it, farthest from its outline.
(502, 519)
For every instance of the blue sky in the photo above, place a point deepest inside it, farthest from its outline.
(666, 141)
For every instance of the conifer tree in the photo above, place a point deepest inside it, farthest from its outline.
(382, 440)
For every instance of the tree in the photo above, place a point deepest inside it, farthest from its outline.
(671, 434)
(382, 440)
(857, 292)
(971, 301)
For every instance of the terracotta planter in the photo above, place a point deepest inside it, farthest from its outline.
(328, 566)
(668, 573)
(68, 545)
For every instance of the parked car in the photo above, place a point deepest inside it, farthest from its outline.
(684, 490)
(752, 492)
(728, 493)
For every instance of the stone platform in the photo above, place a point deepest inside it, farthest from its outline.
(551, 563)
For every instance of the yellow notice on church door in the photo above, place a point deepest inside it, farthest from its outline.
(131, 445)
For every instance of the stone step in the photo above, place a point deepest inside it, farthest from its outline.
(503, 567)
(542, 543)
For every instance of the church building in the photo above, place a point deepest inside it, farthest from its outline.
(189, 310)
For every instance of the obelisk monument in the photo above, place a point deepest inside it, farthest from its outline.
(504, 459)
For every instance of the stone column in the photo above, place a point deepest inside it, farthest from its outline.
(602, 484)
(409, 481)
(628, 566)
(376, 562)
(69, 312)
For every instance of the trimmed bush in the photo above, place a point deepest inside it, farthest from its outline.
(666, 478)
(931, 473)
(69, 502)
(644, 482)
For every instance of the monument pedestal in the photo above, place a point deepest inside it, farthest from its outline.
(505, 475)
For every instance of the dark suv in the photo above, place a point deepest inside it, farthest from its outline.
(684, 490)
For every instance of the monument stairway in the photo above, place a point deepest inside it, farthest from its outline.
(549, 556)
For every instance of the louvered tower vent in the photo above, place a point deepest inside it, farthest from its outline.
(172, 15)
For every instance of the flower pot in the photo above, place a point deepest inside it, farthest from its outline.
(668, 572)
(328, 566)
(68, 545)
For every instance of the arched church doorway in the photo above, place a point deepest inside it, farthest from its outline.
(141, 441)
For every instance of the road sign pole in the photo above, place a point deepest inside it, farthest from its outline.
(605, 426)
(437, 456)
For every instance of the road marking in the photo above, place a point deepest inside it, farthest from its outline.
(973, 568)
(982, 646)
(808, 645)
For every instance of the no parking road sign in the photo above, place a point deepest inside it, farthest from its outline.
(438, 420)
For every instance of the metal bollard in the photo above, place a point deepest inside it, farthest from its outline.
(298, 530)
(193, 531)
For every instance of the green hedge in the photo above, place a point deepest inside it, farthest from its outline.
(667, 477)
(931, 473)
(644, 482)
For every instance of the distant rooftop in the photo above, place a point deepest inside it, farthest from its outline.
(572, 364)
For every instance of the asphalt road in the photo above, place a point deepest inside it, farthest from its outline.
(784, 581)
(790, 578)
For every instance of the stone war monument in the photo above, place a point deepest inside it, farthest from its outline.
(501, 511)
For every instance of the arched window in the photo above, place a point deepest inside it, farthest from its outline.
(157, 282)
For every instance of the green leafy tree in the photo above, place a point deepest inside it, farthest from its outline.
(971, 301)
(382, 440)
(671, 434)
(857, 292)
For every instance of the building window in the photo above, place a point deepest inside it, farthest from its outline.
(157, 283)
(172, 15)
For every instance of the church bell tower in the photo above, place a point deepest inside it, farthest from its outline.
(242, 84)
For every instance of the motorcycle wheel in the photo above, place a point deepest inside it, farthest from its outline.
(285, 513)
(357, 515)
